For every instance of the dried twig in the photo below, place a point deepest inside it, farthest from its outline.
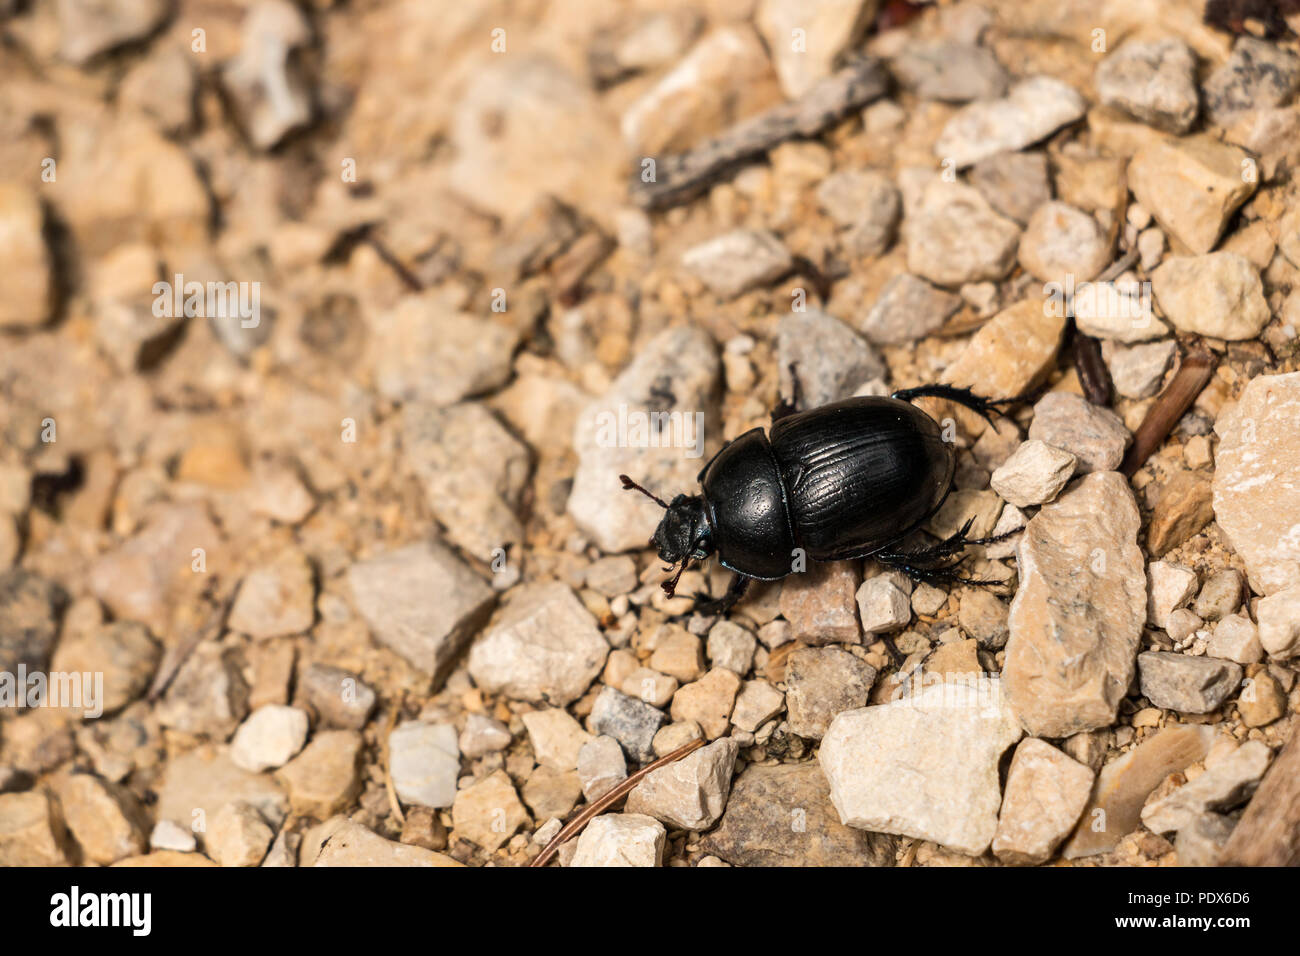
(575, 826)
(1094, 376)
(393, 803)
(1193, 374)
(681, 178)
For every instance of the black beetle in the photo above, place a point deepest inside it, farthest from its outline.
(846, 480)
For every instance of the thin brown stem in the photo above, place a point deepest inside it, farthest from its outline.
(601, 804)
(1193, 375)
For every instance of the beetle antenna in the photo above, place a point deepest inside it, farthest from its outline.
(630, 485)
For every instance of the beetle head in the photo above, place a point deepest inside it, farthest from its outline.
(685, 531)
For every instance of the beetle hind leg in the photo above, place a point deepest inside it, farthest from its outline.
(954, 393)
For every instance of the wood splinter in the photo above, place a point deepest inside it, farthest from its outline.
(1193, 374)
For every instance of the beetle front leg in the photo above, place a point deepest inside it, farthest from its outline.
(735, 591)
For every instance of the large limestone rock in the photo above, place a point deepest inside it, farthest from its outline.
(1256, 488)
(1077, 617)
(923, 766)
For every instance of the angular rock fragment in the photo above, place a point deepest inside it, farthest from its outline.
(1033, 109)
(1096, 436)
(1034, 474)
(1046, 792)
(621, 839)
(1219, 295)
(822, 682)
(1192, 186)
(1189, 685)
(1225, 784)
(1153, 81)
(691, 793)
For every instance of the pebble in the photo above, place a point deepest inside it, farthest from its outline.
(830, 360)
(612, 576)
(1189, 685)
(1182, 624)
(1060, 242)
(1220, 596)
(1045, 794)
(167, 835)
(630, 721)
(677, 652)
(1201, 842)
(25, 290)
(324, 779)
(1192, 186)
(88, 29)
(1262, 700)
(1279, 623)
(670, 737)
(1111, 310)
(738, 261)
(928, 599)
(781, 815)
(544, 647)
(1225, 784)
(238, 836)
(1257, 75)
(650, 686)
(907, 309)
(1235, 638)
(1032, 110)
(122, 652)
(1169, 587)
(1153, 81)
(265, 82)
(106, 819)
(822, 682)
(483, 735)
(488, 812)
(1034, 474)
(422, 333)
(474, 473)
(708, 701)
(864, 202)
(1012, 352)
(955, 237)
(950, 72)
(422, 602)
(269, 737)
(1124, 784)
(1015, 184)
(731, 646)
(1138, 371)
(551, 793)
(556, 737)
(685, 360)
(1256, 503)
(1096, 436)
(277, 600)
(691, 793)
(820, 604)
(726, 76)
(352, 845)
(32, 832)
(924, 767)
(30, 607)
(756, 704)
(621, 839)
(1219, 295)
(1077, 617)
(339, 697)
(208, 695)
(883, 606)
(197, 784)
(424, 760)
(983, 615)
(601, 767)
(1181, 509)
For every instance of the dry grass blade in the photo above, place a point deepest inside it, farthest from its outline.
(575, 826)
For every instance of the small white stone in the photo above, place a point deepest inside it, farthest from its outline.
(883, 605)
(1279, 623)
(269, 738)
(1034, 474)
(424, 761)
(738, 261)
(1236, 638)
(731, 646)
(167, 835)
(621, 839)
(1169, 587)
(601, 766)
(556, 737)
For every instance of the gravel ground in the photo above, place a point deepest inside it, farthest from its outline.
(327, 329)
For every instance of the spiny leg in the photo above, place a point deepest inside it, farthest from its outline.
(953, 393)
(735, 591)
(943, 574)
(953, 544)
